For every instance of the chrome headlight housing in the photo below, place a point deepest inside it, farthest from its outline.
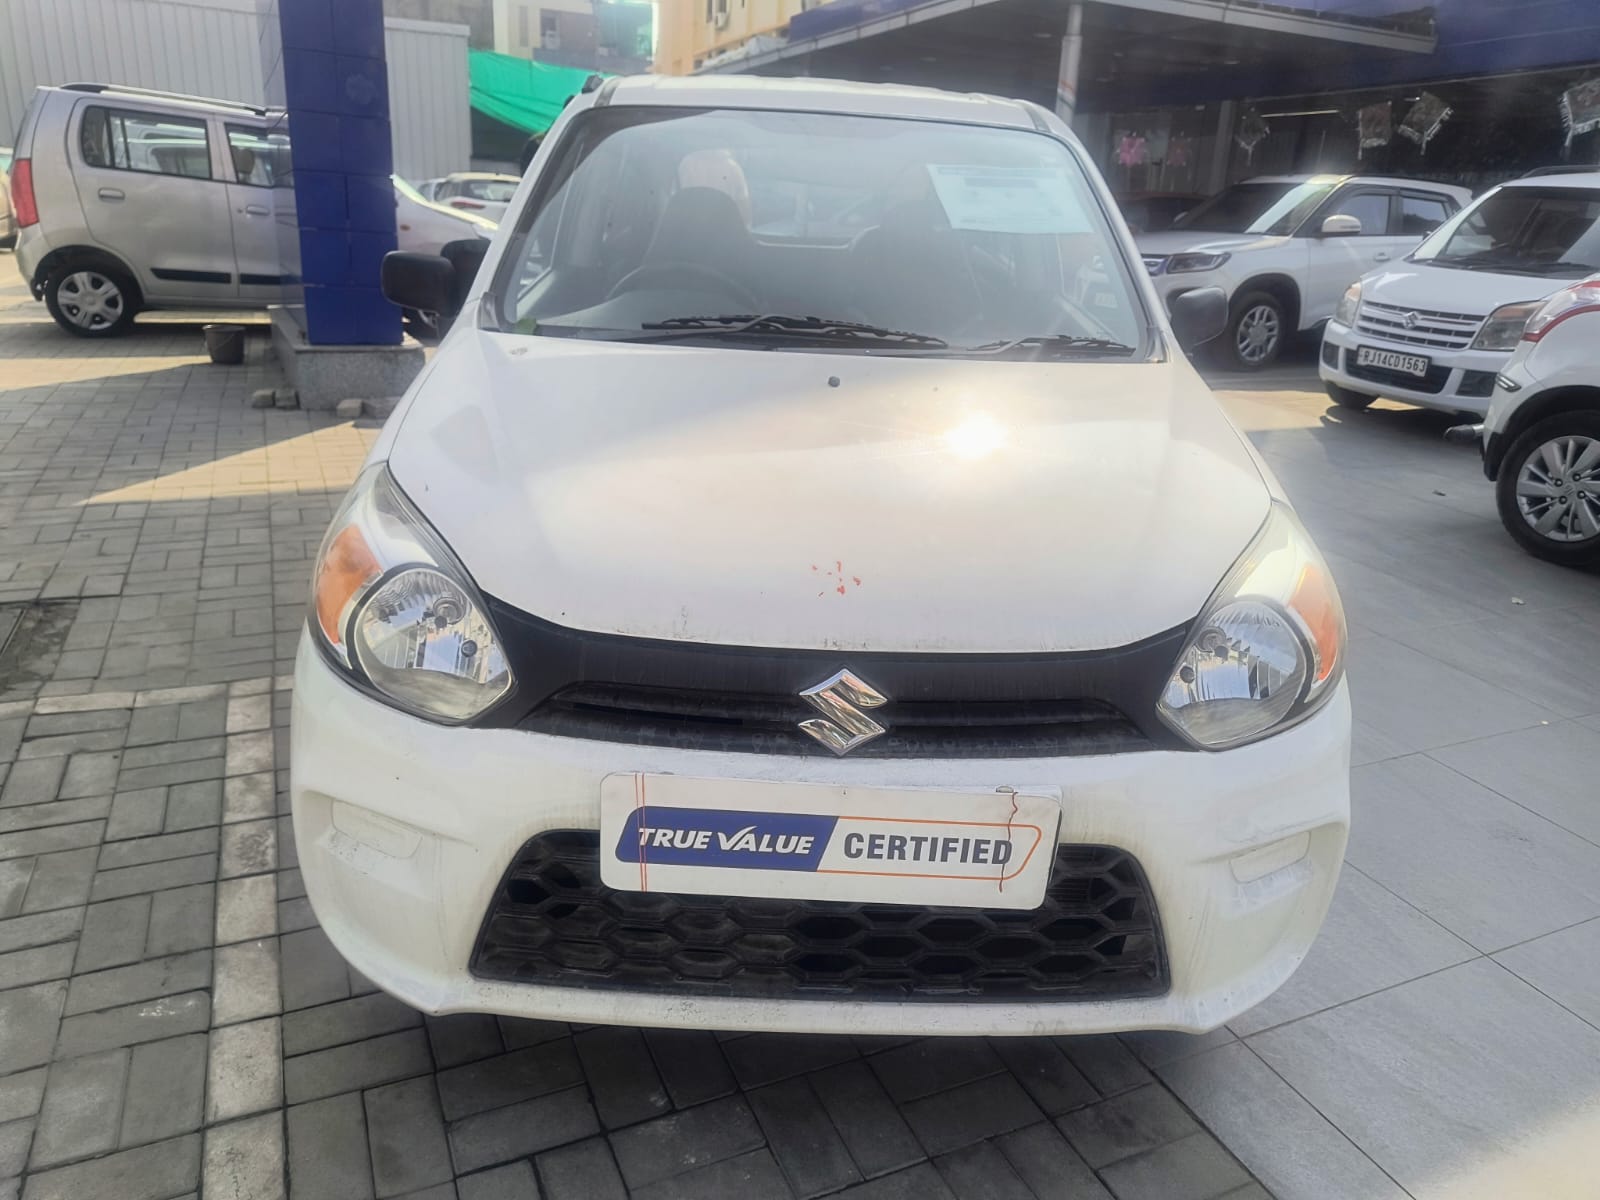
(1179, 264)
(1349, 305)
(1503, 329)
(1269, 648)
(397, 615)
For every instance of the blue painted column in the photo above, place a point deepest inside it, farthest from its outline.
(335, 87)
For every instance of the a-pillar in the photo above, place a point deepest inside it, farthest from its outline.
(332, 79)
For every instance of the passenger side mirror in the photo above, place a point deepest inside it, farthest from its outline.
(425, 282)
(1341, 225)
(1199, 316)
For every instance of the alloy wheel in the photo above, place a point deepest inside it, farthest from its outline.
(90, 300)
(1558, 489)
(1257, 334)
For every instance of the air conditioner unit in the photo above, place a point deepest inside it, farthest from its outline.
(720, 21)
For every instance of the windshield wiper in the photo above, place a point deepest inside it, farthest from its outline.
(771, 324)
(1494, 260)
(1056, 345)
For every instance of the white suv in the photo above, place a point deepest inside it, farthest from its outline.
(1285, 248)
(1434, 329)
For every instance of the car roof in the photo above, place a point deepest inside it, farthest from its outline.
(817, 95)
(1576, 180)
(177, 101)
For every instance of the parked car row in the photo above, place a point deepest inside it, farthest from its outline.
(128, 199)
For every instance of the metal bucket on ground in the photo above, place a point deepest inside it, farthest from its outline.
(225, 343)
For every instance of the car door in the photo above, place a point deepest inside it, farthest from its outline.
(1334, 263)
(151, 193)
(259, 162)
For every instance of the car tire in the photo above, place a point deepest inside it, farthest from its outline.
(1551, 476)
(1258, 327)
(1345, 398)
(91, 302)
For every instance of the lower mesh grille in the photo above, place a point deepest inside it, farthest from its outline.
(1095, 936)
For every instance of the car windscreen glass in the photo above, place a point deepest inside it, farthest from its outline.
(496, 191)
(1522, 230)
(1266, 208)
(799, 228)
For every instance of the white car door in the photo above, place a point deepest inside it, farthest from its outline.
(1334, 263)
(257, 158)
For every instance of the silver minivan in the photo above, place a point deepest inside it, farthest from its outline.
(128, 199)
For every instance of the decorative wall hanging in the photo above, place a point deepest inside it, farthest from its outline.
(1424, 119)
(1376, 125)
(1253, 130)
(1580, 109)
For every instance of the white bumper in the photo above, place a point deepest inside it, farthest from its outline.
(1449, 397)
(404, 830)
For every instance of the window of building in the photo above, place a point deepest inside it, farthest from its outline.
(1370, 208)
(549, 31)
(1420, 215)
(141, 141)
(522, 27)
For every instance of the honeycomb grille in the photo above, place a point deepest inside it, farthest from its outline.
(1095, 936)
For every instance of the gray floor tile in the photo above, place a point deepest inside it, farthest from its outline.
(1464, 1085)
(1371, 939)
(1564, 966)
(1488, 870)
(1409, 701)
(1283, 1141)
(1550, 768)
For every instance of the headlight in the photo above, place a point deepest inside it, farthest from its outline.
(1154, 263)
(397, 614)
(1349, 305)
(1180, 263)
(1503, 329)
(1269, 649)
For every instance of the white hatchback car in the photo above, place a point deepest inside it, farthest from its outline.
(1435, 329)
(875, 632)
(1285, 248)
(1541, 437)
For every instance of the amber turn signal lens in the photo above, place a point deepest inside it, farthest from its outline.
(1316, 605)
(348, 566)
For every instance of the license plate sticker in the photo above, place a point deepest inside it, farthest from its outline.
(981, 849)
(1410, 364)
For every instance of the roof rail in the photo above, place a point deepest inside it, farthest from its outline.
(1565, 169)
(122, 89)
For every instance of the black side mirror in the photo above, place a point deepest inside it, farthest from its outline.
(1199, 316)
(425, 282)
(465, 256)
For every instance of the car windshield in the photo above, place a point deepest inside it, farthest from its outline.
(496, 191)
(1271, 208)
(1523, 231)
(782, 229)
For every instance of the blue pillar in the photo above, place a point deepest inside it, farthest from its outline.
(332, 79)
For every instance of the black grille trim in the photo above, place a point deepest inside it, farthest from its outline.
(650, 692)
(1096, 937)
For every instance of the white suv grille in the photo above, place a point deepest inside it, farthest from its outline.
(1417, 326)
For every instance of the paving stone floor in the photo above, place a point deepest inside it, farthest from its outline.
(174, 1024)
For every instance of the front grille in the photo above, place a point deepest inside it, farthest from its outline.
(1095, 937)
(1435, 330)
(1432, 383)
(769, 724)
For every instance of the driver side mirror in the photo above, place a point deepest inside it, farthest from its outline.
(1198, 316)
(1341, 225)
(425, 282)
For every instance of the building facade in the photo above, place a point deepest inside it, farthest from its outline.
(613, 36)
(693, 33)
(476, 15)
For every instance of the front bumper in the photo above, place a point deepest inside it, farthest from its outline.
(404, 831)
(1461, 380)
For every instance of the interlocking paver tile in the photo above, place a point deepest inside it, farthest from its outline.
(507, 1078)
(519, 1130)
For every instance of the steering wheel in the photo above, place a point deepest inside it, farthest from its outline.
(655, 273)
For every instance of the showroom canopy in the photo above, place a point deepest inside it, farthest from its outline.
(521, 93)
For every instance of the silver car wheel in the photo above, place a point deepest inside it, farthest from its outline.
(90, 300)
(1258, 332)
(1558, 489)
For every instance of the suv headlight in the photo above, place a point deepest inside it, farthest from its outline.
(1503, 329)
(1269, 648)
(1349, 305)
(395, 612)
(1180, 263)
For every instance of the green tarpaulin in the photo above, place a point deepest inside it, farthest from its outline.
(517, 92)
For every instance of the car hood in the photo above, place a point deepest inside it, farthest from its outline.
(805, 500)
(1453, 289)
(1180, 241)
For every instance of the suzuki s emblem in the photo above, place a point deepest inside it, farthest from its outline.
(1410, 320)
(843, 726)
